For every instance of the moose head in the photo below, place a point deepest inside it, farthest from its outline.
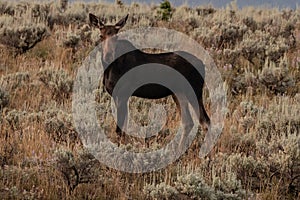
(108, 35)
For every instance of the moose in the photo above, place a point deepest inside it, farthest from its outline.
(117, 64)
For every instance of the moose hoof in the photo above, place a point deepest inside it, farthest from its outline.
(205, 127)
(119, 132)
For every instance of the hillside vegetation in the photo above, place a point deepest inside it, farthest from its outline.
(257, 51)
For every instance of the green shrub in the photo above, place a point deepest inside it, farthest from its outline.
(165, 11)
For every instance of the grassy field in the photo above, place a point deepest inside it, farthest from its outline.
(257, 51)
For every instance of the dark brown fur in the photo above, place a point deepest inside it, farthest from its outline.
(181, 61)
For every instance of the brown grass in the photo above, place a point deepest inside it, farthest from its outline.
(257, 155)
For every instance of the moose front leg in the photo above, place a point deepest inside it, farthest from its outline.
(122, 112)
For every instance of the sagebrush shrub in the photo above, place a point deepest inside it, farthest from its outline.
(63, 5)
(76, 170)
(6, 8)
(72, 40)
(15, 118)
(40, 12)
(195, 186)
(60, 129)
(250, 23)
(14, 81)
(242, 82)
(255, 50)
(23, 37)
(75, 14)
(276, 78)
(267, 151)
(58, 124)
(58, 81)
(204, 11)
(160, 191)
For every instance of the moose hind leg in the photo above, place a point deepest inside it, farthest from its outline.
(187, 122)
(178, 110)
(202, 115)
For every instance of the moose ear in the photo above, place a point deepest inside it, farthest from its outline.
(122, 22)
(94, 20)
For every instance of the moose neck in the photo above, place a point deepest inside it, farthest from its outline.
(121, 47)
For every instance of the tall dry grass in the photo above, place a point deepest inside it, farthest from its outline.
(257, 156)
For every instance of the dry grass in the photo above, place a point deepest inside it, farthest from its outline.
(257, 155)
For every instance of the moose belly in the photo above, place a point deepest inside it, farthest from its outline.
(152, 91)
